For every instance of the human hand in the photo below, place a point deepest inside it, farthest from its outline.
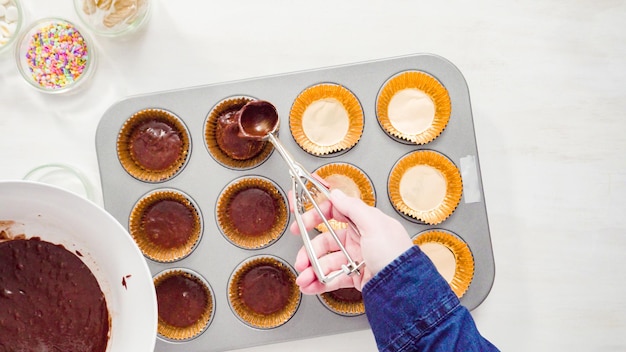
(382, 239)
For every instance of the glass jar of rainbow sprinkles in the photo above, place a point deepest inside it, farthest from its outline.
(55, 56)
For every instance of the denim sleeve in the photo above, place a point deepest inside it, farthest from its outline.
(410, 307)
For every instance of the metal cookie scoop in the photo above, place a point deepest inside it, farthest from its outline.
(259, 120)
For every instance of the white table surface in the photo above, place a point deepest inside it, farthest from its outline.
(547, 81)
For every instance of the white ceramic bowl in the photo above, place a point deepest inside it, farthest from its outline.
(62, 217)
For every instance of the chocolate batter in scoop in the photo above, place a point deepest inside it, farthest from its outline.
(49, 300)
(229, 141)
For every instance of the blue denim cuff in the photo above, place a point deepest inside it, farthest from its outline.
(406, 299)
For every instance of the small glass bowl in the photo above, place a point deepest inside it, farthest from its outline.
(10, 30)
(65, 176)
(113, 18)
(70, 59)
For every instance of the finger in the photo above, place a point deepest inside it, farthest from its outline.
(291, 197)
(334, 261)
(291, 200)
(331, 262)
(312, 218)
(316, 288)
(307, 280)
(321, 244)
(302, 260)
(329, 256)
(310, 285)
(321, 180)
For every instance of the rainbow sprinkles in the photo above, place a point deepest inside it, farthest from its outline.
(57, 55)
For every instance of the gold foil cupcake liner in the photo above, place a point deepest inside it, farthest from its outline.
(342, 307)
(234, 103)
(149, 248)
(464, 268)
(422, 82)
(176, 333)
(131, 165)
(326, 92)
(337, 175)
(439, 162)
(232, 233)
(252, 318)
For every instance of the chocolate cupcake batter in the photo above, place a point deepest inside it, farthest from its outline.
(168, 223)
(265, 289)
(155, 145)
(182, 300)
(253, 211)
(49, 300)
(227, 137)
(348, 295)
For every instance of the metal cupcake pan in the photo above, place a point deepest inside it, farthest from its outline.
(203, 178)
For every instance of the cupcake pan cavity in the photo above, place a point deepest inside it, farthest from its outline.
(311, 130)
(203, 178)
(427, 87)
(450, 185)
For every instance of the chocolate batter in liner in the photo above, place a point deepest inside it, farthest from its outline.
(345, 301)
(166, 225)
(263, 292)
(252, 212)
(215, 135)
(153, 145)
(186, 304)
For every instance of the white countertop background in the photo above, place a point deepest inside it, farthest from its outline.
(547, 82)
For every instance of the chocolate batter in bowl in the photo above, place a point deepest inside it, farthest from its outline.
(74, 242)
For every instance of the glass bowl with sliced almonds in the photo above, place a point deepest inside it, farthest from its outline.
(113, 18)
